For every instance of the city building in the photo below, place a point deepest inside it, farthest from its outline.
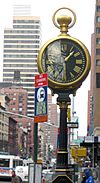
(22, 140)
(12, 137)
(11, 134)
(48, 132)
(21, 47)
(17, 110)
(18, 101)
(94, 96)
(90, 124)
(4, 123)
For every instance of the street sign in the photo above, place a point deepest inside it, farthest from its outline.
(78, 141)
(72, 125)
(41, 82)
(89, 139)
(79, 152)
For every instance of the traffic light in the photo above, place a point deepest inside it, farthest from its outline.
(69, 114)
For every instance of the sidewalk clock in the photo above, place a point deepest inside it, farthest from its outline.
(64, 58)
(67, 62)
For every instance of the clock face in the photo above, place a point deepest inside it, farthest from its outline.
(65, 61)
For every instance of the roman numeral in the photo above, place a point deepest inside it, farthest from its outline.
(72, 75)
(77, 69)
(76, 54)
(50, 69)
(64, 47)
(78, 61)
(71, 49)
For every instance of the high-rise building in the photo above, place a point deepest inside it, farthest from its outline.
(21, 47)
(94, 95)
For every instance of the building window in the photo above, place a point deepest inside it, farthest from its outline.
(20, 104)
(98, 8)
(2, 126)
(14, 109)
(97, 80)
(98, 41)
(97, 62)
(97, 19)
(0, 136)
(14, 98)
(98, 30)
(20, 109)
(97, 51)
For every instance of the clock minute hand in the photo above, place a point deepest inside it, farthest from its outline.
(65, 69)
(71, 53)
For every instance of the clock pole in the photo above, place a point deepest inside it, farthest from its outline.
(67, 62)
(63, 171)
(63, 101)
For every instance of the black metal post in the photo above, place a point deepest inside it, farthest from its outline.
(35, 142)
(63, 101)
(63, 172)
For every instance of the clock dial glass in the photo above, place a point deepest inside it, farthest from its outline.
(64, 60)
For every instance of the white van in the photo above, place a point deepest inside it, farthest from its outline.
(22, 173)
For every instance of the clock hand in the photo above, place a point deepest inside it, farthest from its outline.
(71, 53)
(65, 69)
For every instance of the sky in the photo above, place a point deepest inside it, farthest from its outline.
(82, 30)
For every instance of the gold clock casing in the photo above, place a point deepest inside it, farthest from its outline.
(66, 68)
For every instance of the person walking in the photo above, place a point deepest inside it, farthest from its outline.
(89, 178)
(43, 179)
(83, 179)
(15, 178)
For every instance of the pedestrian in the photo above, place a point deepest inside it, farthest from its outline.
(15, 178)
(43, 179)
(95, 176)
(89, 178)
(83, 179)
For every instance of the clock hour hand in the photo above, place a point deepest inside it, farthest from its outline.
(71, 53)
